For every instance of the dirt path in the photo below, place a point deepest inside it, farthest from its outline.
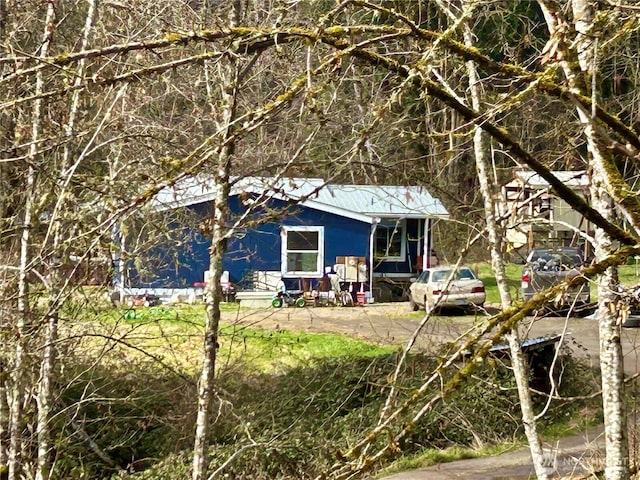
(393, 324)
(389, 324)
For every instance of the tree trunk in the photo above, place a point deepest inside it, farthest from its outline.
(609, 328)
(206, 385)
(47, 369)
(4, 407)
(482, 154)
(4, 309)
(24, 312)
(611, 360)
(45, 396)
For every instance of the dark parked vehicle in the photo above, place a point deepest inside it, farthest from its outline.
(548, 267)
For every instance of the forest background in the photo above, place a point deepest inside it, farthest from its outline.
(106, 103)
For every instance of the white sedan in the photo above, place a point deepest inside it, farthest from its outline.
(442, 287)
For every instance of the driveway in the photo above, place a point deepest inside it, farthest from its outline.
(394, 324)
(576, 455)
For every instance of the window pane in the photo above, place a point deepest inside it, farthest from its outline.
(465, 274)
(302, 240)
(381, 242)
(395, 244)
(302, 262)
(389, 240)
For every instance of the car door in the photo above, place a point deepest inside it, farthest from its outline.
(419, 290)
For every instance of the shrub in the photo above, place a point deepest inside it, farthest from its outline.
(304, 419)
(293, 424)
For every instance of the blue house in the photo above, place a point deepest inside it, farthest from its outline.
(297, 229)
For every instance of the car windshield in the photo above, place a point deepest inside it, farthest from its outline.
(443, 275)
(424, 277)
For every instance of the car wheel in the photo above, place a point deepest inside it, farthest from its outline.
(276, 302)
(412, 304)
(300, 302)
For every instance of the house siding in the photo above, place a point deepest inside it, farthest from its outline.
(182, 264)
(259, 249)
(180, 260)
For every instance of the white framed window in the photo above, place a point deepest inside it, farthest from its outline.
(302, 251)
(391, 240)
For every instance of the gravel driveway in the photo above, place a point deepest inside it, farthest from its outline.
(394, 324)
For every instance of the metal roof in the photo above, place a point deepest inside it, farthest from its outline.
(360, 202)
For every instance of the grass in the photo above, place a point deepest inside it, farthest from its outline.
(629, 274)
(485, 273)
(174, 335)
(276, 351)
(434, 456)
(586, 418)
(431, 457)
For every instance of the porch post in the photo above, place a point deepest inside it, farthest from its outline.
(428, 244)
(118, 266)
(374, 226)
(419, 249)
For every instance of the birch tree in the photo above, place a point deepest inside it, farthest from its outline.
(228, 78)
(24, 322)
(579, 76)
(5, 276)
(59, 259)
(482, 153)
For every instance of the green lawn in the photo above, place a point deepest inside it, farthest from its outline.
(173, 334)
(315, 394)
(484, 272)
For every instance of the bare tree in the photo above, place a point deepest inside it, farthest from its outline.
(24, 322)
(58, 260)
(482, 151)
(222, 152)
(126, 106)
(600, 161)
